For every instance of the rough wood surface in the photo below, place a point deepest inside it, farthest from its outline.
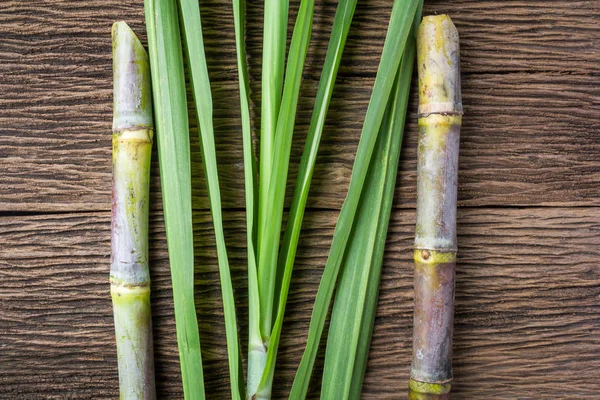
(527, 311)
(530, 92)
(527, 316)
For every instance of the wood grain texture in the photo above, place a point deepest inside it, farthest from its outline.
(530, 91)
(526, 313)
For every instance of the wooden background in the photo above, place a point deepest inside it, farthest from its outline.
(528, 290)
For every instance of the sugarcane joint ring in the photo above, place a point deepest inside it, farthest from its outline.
(426, 388)
(434, 257)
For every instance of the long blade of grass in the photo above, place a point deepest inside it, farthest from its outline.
(366, 330)
(172, 133)
(273, 66)
(267, 257)
(199, 79)
(255, 342)
(355, 271)
(250, 176)
(339, 33)
(401, 19)
(355, 302)
(271, 231)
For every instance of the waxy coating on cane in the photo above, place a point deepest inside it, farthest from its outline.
(440, 117)
(129, 272)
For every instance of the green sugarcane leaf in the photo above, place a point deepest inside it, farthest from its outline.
(271, 231)
(366, 330)
(270, 212)
(255, 342)
(355, 302)
(401, 19)
(172, 133)
(344, 330)
(267, 256)
(199, 79)
(275, 25)
(339, 32)
(250, 168)
(273, 63)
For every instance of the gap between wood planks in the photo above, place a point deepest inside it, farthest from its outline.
(286, 210)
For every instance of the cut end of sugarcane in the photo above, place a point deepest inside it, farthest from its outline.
(132, 101)
(438, 59)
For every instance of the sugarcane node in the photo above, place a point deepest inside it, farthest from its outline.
(427, 396)
(116, 284)
(428, 390)
(138, 133)
(434, 258)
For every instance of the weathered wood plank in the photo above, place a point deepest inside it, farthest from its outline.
(526, 140)
(538, 35)
(496, 36)
(529, 136)
(527, 312)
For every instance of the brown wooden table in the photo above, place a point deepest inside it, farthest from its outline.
(528, 290)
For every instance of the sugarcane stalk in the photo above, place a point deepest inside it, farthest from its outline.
(440, 116)
(129, 273)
